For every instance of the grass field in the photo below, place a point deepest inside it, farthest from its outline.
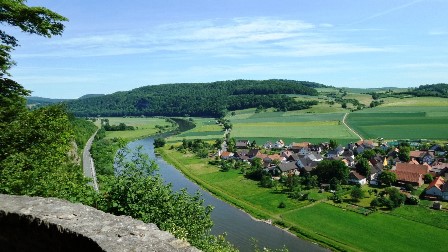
(376, 232)
(143, 127)
(290, 127)
(206, 129)
(404, 122)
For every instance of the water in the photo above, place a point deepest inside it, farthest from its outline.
(238, 225)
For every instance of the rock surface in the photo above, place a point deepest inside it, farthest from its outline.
(49, 224)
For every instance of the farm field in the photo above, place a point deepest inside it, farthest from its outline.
(206, 129)
(143, 127)
(290, 127)
(375, 232)
(401, 122)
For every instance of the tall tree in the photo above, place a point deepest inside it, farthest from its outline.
(328, 169)
(33, 20)
(363, 167)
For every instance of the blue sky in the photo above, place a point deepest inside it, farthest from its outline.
(118, 45)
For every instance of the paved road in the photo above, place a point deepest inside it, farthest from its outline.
(87, 163)
(354, 132)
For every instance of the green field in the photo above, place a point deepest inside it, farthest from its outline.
(404, 122)
(376, 232)
(143, 127)
(206, 129)
(290, 127)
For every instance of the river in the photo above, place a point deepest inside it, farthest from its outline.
(239, 226)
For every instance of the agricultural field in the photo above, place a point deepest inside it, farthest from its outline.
(401, 122)
(143, 127)
(294, 126)
(375, 232)
(206, 129)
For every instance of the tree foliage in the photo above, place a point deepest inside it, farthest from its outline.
(328, 169)
(387, 178)
(34, 20)
(196, 99)
(363, 167)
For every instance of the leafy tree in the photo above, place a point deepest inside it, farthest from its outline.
(266, 181)
(328, 169)
(356, 193)
(368, 154)
(428, 178)
(363, 167)
(403, 153)
(138, 192)
(333, 144)
(34, 20)
(395, 196)
(387, 178)
(159, 142)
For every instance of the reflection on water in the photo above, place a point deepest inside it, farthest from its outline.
(239, 226)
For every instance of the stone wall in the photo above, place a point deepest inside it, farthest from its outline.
(49, 224)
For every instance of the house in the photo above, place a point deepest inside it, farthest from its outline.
(439, 168)
(445, 191)
(356, 178)
(226, 155)
(286, 153)
(435, 187)
(410, 173)
(437, 150)
(405, 177)
(268, 145)
(253, 153)
(296, 147)
(363, 145)
(375, 171)
(242, 144)
(306, 165)
(314, 156)
(421, 169)
(422, 156)
(348, 153)
(288, 168)
(279, 144)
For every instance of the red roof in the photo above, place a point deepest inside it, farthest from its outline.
(408, 176)
(413, 168)
(438, 182)
(226, 154)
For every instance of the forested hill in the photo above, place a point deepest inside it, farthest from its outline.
(437, 90)
(197, 99)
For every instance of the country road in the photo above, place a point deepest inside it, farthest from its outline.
(354, 132)
(87, 163)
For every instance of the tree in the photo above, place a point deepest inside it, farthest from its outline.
(333, 144)
(356, 193)
(428, 178)
(387, 178)
(403, 153)
(33, 20)
(395, 196)
(363, 167)
(328, 169)
(159, 142)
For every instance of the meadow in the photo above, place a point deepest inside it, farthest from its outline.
(291, 126)
(143, 127)
(375, 232)
(206, 129)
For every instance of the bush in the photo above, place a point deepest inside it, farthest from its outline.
(282, 205)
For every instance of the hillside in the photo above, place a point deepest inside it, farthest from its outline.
(437, 90)
(198, 99)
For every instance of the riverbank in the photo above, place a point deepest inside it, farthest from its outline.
(256, 212)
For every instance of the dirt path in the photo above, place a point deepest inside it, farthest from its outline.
(87, 163)
(354, 132)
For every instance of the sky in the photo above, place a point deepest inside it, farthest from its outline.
(116, 45)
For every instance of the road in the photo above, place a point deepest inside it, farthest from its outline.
(354, 132)
(87, 163)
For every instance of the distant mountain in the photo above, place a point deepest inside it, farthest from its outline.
(40, 101)
(197, 99)
(90, 96)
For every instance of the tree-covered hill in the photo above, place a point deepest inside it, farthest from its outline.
(197, 99)
(437, 90)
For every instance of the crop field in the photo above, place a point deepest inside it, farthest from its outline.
(376, 232)
(143, 127)
(406, 122)
(206, 129)
(290, 126)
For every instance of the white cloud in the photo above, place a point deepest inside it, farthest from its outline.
(240, 37)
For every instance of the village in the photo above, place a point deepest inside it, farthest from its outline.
(393, 164)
